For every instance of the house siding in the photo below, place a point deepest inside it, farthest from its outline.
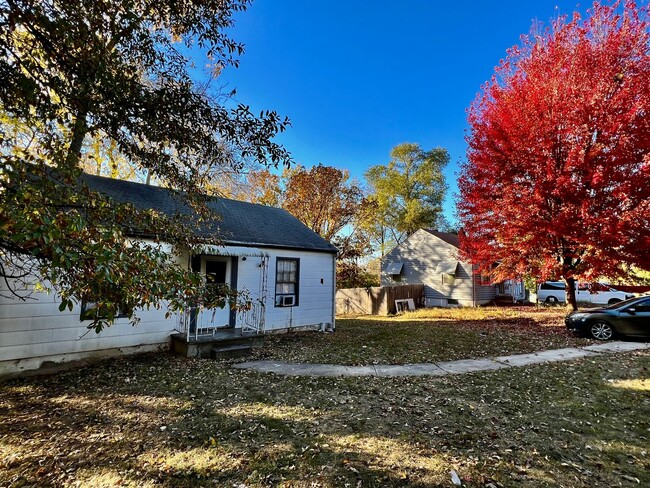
(316, 289)
(33, 332)
(484, 293)
(425, 258)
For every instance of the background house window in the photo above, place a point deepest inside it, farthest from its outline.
(448, 278)
(286, 282)
(485, 279)
(394, 270)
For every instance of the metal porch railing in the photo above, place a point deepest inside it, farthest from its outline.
(195, 323)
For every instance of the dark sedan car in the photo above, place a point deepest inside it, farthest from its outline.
(629, 318)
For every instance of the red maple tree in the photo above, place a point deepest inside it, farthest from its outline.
(557, 177)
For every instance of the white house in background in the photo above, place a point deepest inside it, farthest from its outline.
(288, 270)
(432, 258)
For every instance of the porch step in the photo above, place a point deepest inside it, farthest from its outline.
(202, 346)
(231, 351)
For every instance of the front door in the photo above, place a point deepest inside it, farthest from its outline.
(217, 271)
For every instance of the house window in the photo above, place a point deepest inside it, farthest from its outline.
(485, 279)
(287, 273)
(394, 270)
(448, 278)
(92, 311)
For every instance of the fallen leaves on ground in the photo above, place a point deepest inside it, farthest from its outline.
(169, 421)
(159, 420)
(427, 335)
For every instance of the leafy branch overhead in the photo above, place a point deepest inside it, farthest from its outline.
(116, 71)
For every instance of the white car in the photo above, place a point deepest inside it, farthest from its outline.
(552, 292)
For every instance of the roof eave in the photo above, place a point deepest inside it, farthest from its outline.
(224, 242)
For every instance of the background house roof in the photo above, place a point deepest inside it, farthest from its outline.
(240, 223)
(445, 236)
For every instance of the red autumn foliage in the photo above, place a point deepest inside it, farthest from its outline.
(557, 178)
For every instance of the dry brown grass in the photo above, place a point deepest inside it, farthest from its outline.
(159, 420)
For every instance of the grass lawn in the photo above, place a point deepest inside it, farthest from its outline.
(427, 335)
(159, 420)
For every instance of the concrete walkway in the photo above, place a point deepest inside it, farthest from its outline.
(444, 368)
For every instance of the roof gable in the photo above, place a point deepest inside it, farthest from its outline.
(240, 223)
(449, 238)
(421, 243)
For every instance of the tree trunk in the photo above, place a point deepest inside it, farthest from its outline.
(571, 302)
(79, 132)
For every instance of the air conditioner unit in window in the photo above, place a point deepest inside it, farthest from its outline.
(288, 301)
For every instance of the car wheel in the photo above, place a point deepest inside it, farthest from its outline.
(612, 301)
(551, 300)
(602, 331)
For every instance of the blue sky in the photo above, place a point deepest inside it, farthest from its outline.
(358, 77)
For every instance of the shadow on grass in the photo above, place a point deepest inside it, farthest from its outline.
(172, 422)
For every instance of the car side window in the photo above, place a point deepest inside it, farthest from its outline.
(552, 286)
(643, 306)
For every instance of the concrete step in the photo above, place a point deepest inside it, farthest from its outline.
(231, 351)
(202, 346)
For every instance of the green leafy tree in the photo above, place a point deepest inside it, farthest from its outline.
(78, 71)
(408, 193)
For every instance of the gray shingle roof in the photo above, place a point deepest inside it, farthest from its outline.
(241, 223)
(446, 236)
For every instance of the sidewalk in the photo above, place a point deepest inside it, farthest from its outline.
(444, 368)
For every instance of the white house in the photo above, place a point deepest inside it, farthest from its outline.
(432, 258)
(287, 269)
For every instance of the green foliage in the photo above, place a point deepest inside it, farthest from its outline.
(86, 252)
(350, 275)
(109, 81)
(408, 192)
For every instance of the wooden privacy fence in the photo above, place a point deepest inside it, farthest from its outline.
(378, 300)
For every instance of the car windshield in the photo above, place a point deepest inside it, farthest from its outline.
(622, 304)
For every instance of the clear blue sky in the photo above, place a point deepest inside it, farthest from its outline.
(358, 77)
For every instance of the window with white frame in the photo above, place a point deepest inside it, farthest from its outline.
(287, 274)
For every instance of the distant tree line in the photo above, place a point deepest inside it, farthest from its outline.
(363, 221)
